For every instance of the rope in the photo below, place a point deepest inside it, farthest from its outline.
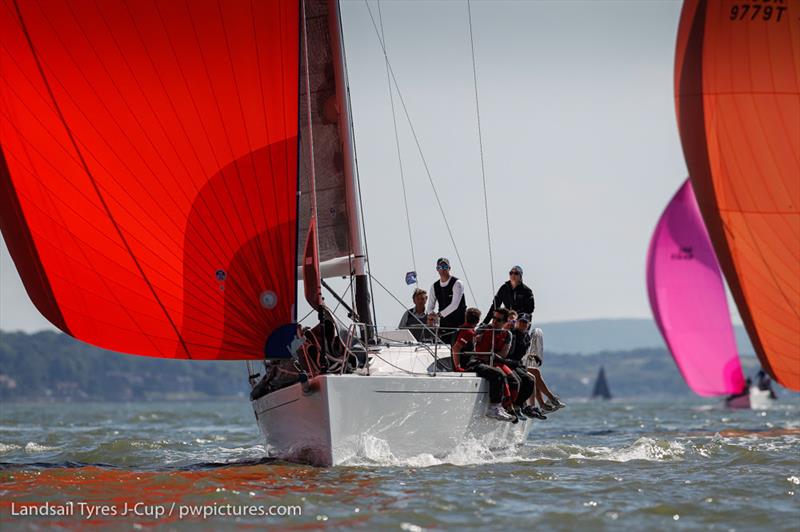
(421, 155)
(480, 141)
(397, 144)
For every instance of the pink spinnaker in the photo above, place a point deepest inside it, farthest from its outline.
(688, 299)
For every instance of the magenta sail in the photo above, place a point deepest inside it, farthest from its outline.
(688, 299)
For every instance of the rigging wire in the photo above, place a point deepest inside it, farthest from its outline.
(397, 144)
(480, 142)
(419, 150)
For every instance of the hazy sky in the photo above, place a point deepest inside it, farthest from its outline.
(580, 142)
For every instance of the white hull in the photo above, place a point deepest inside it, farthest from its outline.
(407, 415)
(756, 399)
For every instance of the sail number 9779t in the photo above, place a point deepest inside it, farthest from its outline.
(767, 10)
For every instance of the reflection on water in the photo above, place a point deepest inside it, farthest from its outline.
(632, 464)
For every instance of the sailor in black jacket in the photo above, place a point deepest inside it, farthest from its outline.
(513, 295)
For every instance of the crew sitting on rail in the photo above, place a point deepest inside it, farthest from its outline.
(465, 359)
(533, 361)
(511, 364)
(492, 344)
(414, 318)
(520, 347)
(498, 342)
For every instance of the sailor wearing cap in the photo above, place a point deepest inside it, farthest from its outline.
(514, 294)
(448, 294)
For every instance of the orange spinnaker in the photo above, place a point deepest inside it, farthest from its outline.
(737, 92)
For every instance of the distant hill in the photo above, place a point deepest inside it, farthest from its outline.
(644, 372)
(593, 336)
(52, 366)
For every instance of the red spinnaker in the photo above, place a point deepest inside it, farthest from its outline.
(149, 180)
(737, 90)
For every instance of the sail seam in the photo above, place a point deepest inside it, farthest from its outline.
(92, 180)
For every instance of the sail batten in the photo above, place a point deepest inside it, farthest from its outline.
(150, 170)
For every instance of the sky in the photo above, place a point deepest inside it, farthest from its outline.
(580, 144)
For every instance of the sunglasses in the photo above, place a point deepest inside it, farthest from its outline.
(514, 272)
(500, 320)
(443, 267)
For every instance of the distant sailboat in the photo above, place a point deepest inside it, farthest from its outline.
(601, 390)
(687, 296)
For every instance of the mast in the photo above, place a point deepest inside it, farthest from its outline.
(357, 243)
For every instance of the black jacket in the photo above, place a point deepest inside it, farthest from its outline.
(519, 299)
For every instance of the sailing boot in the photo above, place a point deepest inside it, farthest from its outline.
(498, 412)
(532, 411)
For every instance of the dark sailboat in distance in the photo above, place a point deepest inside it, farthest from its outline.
(601, 386)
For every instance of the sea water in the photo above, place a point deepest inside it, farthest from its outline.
(623, 464)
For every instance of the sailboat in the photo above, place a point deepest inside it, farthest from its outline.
(689, 304)
(601, 389)
(163, 166)
(737, 97)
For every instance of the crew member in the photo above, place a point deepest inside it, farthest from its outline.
(448, 292)
(513, 295)
(414, 318)
(519, 349)
(464, 360)
(494, 343)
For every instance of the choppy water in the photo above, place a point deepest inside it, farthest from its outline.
(623, 464)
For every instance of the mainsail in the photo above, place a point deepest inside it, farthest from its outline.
(737, 89)
(688, 299)
(148, 185)
(333, 164)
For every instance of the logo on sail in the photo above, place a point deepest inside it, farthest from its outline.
(684, 253)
